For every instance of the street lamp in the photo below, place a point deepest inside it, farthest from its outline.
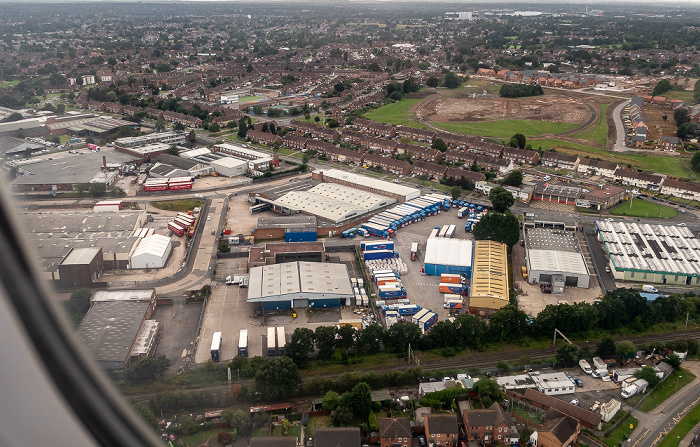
(677, 379)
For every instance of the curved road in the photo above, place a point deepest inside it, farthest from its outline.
(619, 145)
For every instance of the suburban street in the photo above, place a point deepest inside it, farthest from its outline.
(619, 145)
(655, 425)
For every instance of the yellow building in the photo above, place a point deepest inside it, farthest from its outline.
(489, 287)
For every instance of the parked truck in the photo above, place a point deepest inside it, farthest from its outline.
(453, 288)
(414, 250)
(637, 387)
(216, 346)
(381, 245)
(464, 211)
(380, 254)
(409, 309)
(391, 292)
(585, 366)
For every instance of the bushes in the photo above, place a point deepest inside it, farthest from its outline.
(520, 90)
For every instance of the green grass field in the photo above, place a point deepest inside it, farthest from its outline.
(641, 208)
(397, 113)
(506, 128)
(294, 430)
(691, 420)
(667, 389)
(183, 205)
(683, 95)
(250, 98)
(616, 436)
(599, 132)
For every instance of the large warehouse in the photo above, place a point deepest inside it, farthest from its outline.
(332, 202)
(554, 259)
(299, 285)
(447, 255)
(394, 190)
(662, 254)
(489, 286)
(152, 252)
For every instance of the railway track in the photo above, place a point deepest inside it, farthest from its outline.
(483, 361)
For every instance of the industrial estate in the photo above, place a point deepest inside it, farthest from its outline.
(355, 255)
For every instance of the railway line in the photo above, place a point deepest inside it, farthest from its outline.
(484, 361)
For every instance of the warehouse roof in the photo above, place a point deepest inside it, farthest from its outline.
(155, 244)
(449, 251)
(490, 270)
(109, 329)
(71, 169)
(229, 162)
(141, 295)
(272, 282)
(548, 239)
(287, 222)
(557, 261)
(333, 202)
(651, 248)
(81, 256)
(372, 183)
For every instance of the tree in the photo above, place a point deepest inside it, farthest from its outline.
(214, 128)
(346, 337)
(192, 137)
(520, 138)
(361, 400)
(432, 81)
(674, 361)
(649, 374)
(370, 339)
(498, 227)
(695, 161)
(278, 378)
(662, 87)
(242, 127)
(330, 401)
(173, 150)
(508, 323)
(300, 345)
(501, 199)
(60, 108)
(456, 191)
(625, 348)
(343, 416)
(77, 305)
(451, 80)
(146, 414)
(515, 178)
(81, 188)
(606, 347)
(399, 336)
(223, 247)
(682, 131)
(439, 144)
(178, 126)
(567, 355)
(14, 116)
(503, 366)
(325, 341)
(681, 116)
(147, 370)
(159, 125)
(488, 391)
(513, 142)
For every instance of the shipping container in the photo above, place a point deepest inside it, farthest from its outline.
(454, 304)
(382, 245)
(271, 347)
(464, 211)
(427, 321)
(243, 343)
(451, 278)
(389, 281)
(451, 231)
(378, 254)
(409, 309)
(421, 313)
(178, 186)
(176, 228)
(300, 236)
(443, 230)
(452, 288)
(434, 232)
(216, 346)
(150, 187)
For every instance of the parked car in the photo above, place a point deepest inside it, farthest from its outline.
(607, 269)
(579, 383)
(574, 402)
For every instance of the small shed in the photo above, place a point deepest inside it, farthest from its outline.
(151, 252)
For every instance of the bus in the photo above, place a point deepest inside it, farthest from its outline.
(255, 209)
(243, 343)
(281, 340)
(216, 346)
(271, 348)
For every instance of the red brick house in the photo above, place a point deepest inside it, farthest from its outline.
(486, 148)
(379, 144)
(353, 136)
(668, 143)
(494, 164)
(492, 425)
(420, 152)
(441, 429)
(294, 142)
(392, 165)
(560, 161)
(415, 134)
(264, 137)
(559, 430)
(114, 107)
(457, 156)
(457, 141)
(319, 146)
(395, 432)
(432, 170)
(373, 127)
(342, 155)
(520, 156)
(457, 173)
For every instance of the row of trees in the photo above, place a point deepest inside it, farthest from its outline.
(520, 90)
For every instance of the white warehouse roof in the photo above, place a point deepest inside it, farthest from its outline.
(557, 261)
(299, 280)
(394, 188)
(333, 202)
(449, 251)
(151, 252)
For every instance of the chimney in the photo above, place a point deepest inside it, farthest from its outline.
(104, 162)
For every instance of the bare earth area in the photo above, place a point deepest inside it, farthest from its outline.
(463, 108)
